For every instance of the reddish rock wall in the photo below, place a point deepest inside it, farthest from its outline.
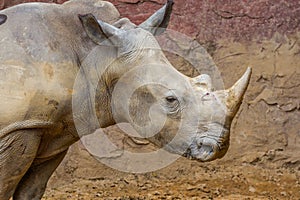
(213, 20)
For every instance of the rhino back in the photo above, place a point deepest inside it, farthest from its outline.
(40, 49)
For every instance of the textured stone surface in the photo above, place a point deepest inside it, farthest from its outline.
(212, 20)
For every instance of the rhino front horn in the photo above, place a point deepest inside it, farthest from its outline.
(236, 92)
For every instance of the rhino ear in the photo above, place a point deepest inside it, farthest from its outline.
(97, 30)
(158, 22)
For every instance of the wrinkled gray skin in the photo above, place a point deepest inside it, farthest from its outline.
(42, 48)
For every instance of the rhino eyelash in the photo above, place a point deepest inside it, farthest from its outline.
(171, 99)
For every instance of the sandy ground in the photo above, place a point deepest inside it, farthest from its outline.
(80, 176)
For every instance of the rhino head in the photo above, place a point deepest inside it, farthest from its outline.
(184, 115)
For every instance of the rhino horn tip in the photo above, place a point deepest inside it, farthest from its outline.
(237, 91)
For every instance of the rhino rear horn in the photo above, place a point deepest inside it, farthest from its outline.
(158, 22)
(97, 30)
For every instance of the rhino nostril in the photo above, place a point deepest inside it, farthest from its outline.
(188, 153)
(199, 145)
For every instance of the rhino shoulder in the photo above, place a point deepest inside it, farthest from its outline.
(45, 30)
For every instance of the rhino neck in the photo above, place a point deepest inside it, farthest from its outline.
(100, 71)
(103, 69)
(105, 93)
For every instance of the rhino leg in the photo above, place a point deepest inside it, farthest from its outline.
(17, 152)
(33, 184)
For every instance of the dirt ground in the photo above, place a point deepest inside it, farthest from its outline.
(80, 176)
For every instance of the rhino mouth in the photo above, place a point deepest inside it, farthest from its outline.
(205, 149)
(202, 152)
(209, 145)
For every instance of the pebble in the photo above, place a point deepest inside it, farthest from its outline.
(252, 189)
(283, 193)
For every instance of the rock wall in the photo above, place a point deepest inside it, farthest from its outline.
(214, 20)
(263, 34)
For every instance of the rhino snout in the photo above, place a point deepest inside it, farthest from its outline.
(208, 148)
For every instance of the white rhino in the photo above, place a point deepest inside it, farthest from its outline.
(43, 47)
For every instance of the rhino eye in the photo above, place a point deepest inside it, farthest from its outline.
(171, 99)
(172, 105)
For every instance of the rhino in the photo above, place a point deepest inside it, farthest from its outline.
(43, 48)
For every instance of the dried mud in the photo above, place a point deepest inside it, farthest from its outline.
(82, 177)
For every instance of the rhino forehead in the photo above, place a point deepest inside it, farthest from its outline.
(137, 43)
